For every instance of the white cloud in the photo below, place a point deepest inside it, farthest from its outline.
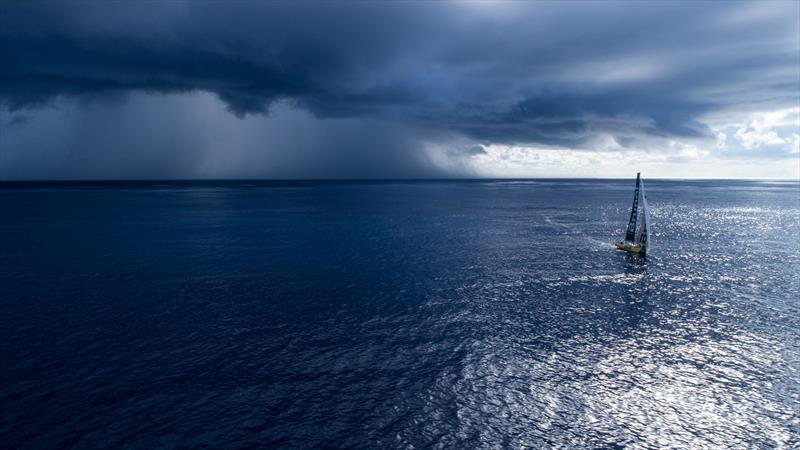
(756, 134)
(681, 160)
(721, 139)
(754, 138)
(745, 145)
(764, 128)
(682, 151)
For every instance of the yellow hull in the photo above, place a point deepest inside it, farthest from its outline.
(628, 247)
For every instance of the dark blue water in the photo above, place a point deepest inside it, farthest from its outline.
(410, 314)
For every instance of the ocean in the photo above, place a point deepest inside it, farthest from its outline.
(398, 314)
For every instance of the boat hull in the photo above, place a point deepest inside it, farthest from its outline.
(629, 248)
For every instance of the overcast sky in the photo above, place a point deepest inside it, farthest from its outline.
(181, 89)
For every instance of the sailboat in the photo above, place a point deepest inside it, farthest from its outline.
(637, 235)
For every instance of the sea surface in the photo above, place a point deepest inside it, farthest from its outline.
(444, 314)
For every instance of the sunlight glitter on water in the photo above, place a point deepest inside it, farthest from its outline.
(631, 392)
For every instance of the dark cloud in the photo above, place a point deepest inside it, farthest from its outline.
(190, 137)
(512, 72)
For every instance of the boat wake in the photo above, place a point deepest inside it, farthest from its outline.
(572, 227)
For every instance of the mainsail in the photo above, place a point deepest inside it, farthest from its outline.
(630, 234)
(644, 234)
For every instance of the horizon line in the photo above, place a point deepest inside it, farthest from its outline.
(376, 179)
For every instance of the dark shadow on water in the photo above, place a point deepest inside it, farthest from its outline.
(633, 264)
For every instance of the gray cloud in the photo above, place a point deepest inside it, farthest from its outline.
(520, 73)
(192, 136)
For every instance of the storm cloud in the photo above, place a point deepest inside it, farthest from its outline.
(378, 82)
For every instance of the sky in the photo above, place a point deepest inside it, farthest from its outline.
(249, 89)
